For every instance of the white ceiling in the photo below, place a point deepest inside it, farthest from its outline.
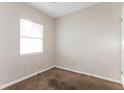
(57, 9)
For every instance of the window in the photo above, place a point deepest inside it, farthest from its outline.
(31, 37)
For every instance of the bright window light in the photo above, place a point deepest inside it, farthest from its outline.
(31, 37)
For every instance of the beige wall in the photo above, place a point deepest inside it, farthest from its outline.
(86, 41)
(12, 65)
(89, 41)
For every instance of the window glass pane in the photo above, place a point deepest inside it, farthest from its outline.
(30, 29)
(29, 45)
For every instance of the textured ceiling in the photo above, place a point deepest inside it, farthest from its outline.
(57, 9)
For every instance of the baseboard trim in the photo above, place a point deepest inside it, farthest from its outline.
(89, 74)
(33, 74)
(23, 78)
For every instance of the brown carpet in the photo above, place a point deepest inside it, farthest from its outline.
(60, 79)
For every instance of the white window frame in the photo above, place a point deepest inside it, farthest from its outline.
(29, 37)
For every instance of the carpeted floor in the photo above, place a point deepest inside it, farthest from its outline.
(60, 79)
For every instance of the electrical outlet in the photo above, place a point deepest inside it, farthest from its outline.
(74, 63)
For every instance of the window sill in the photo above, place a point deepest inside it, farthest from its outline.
(31, 54)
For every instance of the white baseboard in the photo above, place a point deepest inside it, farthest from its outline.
(33, 74)
(23, 78)
(97, 76)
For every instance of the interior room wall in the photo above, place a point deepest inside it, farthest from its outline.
(89, 41)
(12, 65)
(85, 41)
